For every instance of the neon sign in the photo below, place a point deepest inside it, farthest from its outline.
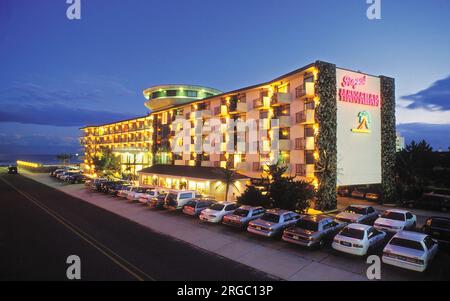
(354, 96)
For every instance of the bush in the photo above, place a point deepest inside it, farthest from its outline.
(252, 197)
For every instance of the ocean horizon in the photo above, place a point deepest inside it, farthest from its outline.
(48, 159)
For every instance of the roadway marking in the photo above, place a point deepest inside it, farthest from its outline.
(114, 257)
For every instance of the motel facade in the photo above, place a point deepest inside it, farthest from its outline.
(328, 125)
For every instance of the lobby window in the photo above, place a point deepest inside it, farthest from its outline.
(191, 93)
(171, 93)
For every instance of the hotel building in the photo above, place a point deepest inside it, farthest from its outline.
(333, 127)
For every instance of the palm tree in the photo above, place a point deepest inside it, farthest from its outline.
(228, 179)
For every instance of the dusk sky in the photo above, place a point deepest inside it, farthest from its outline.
(57, 75)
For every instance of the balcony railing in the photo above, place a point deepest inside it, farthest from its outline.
(307, 89)
(280, 98)
(305, 117)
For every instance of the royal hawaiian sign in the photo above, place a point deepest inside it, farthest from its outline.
(351, 90)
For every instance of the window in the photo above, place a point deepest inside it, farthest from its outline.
(230, 207)
(191, 93)
(300, 170)
(185, 196)
(156, 94)
(409, 215)
(406, 243)
(352, 233)
(256, 166)
(370, 210)
(171, 93)
(429, 243)
(299, 143)
(263, 114)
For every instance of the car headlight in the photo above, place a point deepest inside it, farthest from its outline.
(336, 240)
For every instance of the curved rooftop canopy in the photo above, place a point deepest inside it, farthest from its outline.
(166, 96)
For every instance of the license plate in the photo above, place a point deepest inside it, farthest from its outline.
(295, 237)
(347, 244)
(258, 228)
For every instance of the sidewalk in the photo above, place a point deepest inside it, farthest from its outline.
(274, 257)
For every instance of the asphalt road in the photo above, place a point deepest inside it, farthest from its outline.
(40, 227)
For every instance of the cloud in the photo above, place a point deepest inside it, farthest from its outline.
(434, 98)
(11, 143)
(437, 135)
(58, 115)
(78, 102)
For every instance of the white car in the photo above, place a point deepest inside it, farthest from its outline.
(358, 239)
(360, 214)
(216, 212)
(136, 194)
(145, 197)
(410, 250)
(123, 193)
(394, 220)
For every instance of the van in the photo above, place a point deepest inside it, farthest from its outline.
(176, 199)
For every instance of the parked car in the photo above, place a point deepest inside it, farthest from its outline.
(410, 250)
(360, 214)
(358, 239)
(358, 193)
(94, 184)
(273, 222)
(438, 199)
(176, 199)
(76, 179)
(242, 216)
(12, 170)
(123, 193)
(106, 186)
(343, 191)
(394, 220)
(116, 187)
(136, 194)
(312, 230)
(150, 193)
(372, 196)
(216, 212)
(158, 202)
(195, 207)
(438, 228)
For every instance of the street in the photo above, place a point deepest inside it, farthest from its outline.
(41, 226)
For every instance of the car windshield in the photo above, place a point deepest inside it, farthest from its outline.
(352, 233)
(241, 212)
(217, 207)
(406, 243)
(353, 209)
(394, 216)
(307, 225)
(270, 217)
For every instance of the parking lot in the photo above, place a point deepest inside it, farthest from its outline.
(272, 256)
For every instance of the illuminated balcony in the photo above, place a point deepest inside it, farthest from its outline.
(306, 90)
(306, 117)
(283, 121)
(305, 170)
(179, 162)
(207, 164)
(280, 98)
(262, 103)
(240, 107)
(284, 144)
